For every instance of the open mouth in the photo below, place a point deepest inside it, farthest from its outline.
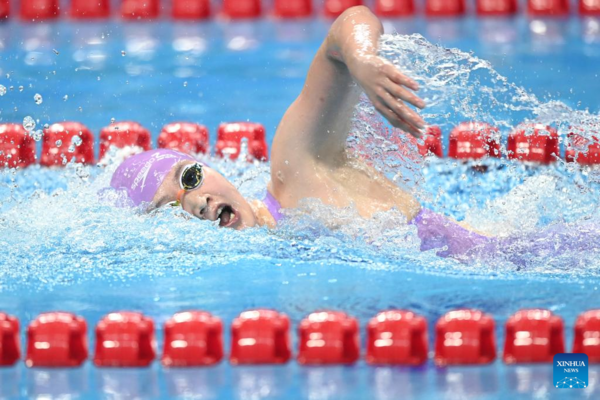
(227, 216)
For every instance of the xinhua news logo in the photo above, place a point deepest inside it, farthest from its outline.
(571, 371)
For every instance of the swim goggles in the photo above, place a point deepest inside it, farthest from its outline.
(192, 177)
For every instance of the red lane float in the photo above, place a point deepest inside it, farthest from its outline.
(4, 8)
(328, 337)
(260, 337)
(229, 140)
(397, 337)
(465, 337)
(122, 134)
(293, 8)
(432, 142)
(57, 339)
(589, 7)
(191, 9)
(241, 8)
(333, 8)
(10, 349)
(17, 148)
(192, 339)
(125, 339)
(543, 8)
(186, 137)
(534, 143)
(587, 335)
(140, 9)
(533, 336)
(582, 150)
(473, 140)
(83, 9)
(394, 8)
(497, 7)
(39, 9)
(444, 8)
(67, 141)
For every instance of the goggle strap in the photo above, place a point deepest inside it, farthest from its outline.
(180, 197)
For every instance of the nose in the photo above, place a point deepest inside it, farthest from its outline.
(203, 206)
(196, 203)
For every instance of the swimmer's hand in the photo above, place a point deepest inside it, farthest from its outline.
(389, 90)
(354, 40)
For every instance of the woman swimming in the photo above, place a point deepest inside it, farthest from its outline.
(309, 158)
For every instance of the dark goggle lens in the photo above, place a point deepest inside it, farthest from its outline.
(192, 177)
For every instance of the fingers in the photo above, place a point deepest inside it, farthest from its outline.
(400, 93)
(396, 121)
(414, 132)
(403, 111)
(389, 96)
(399, 78)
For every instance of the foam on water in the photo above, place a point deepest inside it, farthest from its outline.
(55, 228)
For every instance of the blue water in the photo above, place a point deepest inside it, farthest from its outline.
(64, 249)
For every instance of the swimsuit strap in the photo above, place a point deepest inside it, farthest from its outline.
(273, 206)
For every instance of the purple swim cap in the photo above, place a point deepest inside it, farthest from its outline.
(141, 175)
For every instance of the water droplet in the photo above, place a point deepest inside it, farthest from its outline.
(184, 84)
(37, 135)
(98, 78)
(71, 149)
(80, 109)
(64, 159)
(28, 123)
(55, 51)
(38, 99)
(112, 120)
(65, 97)
(21, 88)
(46, 126)
(2, 90)
(58, 143)
(76, 140)
(123, 53)
(82, 172)
(7, 76)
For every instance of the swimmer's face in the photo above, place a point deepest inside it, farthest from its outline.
(215, 200)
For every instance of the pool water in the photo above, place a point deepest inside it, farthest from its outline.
(63, 248)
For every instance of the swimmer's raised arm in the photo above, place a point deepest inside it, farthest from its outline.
(354, 41)
(316, 125)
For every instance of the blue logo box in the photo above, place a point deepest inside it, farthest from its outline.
(571, 371)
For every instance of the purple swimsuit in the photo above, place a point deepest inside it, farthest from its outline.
(273, 206)
(435, 231)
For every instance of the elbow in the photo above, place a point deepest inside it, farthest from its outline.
(345, 23)
(362, 13)
(354, 9)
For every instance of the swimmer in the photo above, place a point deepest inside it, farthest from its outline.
(308, 157)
